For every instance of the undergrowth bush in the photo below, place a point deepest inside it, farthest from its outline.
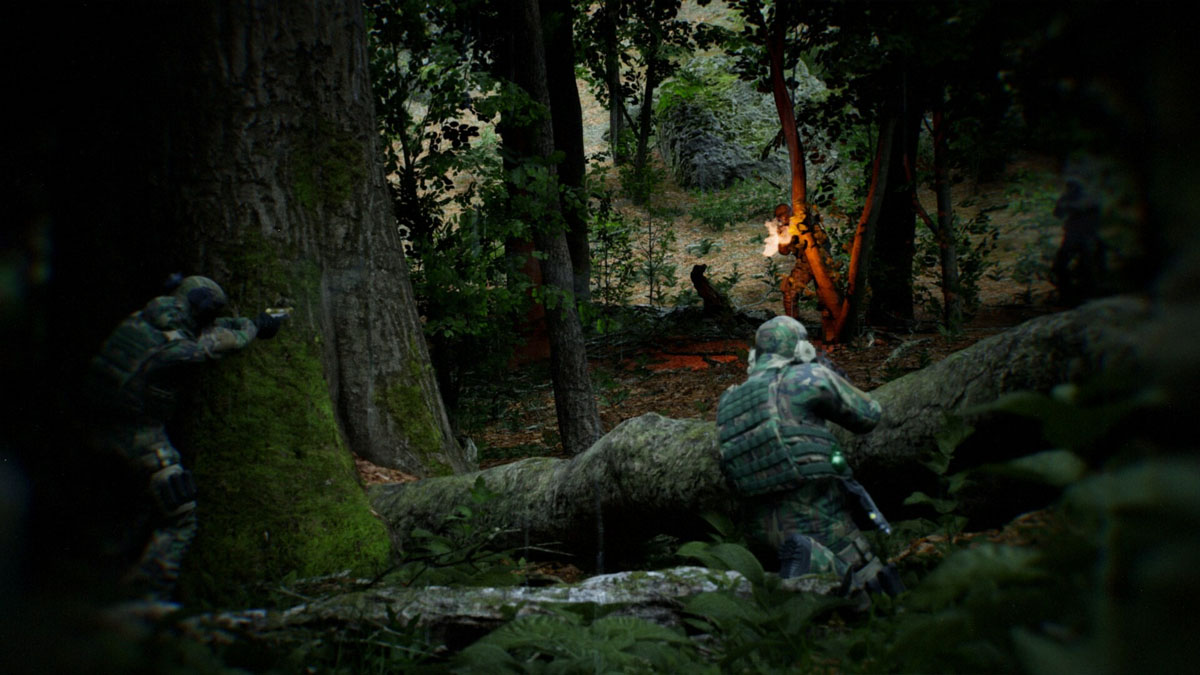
(744, 201)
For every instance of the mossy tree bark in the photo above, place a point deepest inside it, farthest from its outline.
(238, 140)
(286, 202)
(654, 475)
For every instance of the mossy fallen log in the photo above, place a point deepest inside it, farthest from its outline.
(654, 475)
(650, 475)
(450, 616)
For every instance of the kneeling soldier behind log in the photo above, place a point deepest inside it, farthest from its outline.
(782, 460)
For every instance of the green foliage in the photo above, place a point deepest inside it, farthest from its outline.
(613, 270)
(766, 631)
(638, 183)
(771, 276)
(975, 241)
(611, 391)
(569, 643)
(703, 247)
(455, 204)
(644, 41)
(744, 201)
(1031, 200)
(653, 255)
(954, 431)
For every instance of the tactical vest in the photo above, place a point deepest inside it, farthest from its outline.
(119, 382)
(759, 453)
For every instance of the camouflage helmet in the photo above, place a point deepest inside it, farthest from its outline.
(778, 342)
(204, 298)
(780, 336)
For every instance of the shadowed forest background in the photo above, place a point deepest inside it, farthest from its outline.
(523, 246)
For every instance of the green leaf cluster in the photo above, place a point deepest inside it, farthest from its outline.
(568, 642)
(742, 202)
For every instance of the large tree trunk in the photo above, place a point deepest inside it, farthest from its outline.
(567, 116)
(294, 80)
(239, 142)
(655, 475)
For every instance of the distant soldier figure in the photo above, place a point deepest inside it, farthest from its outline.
(134, 384)
(1079, 263)
(801, 276)
(779, 456)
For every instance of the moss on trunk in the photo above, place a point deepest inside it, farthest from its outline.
(278, 493)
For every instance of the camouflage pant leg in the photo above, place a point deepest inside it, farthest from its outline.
(147, 447)
(793, 285)
(817, 510)
(157, 572)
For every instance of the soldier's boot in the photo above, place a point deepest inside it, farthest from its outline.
(872, 577)
(887, 581)
(795, 556)
(155, 574)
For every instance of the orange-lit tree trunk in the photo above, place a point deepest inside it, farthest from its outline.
(827, 292)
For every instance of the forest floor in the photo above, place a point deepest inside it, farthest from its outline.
(680, 366)
(677, 365)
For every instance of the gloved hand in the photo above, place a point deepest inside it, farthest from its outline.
(174, 490)
(268, 325)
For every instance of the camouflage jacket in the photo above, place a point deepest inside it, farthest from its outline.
(773, 427)
(137, 372)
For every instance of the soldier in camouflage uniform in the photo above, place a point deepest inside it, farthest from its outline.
(134, 383)
(778, 454)
(801, 277)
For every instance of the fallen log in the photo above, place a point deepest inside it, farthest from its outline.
(650, 475)
(654, 475)
(1071, 347)
(451, 616)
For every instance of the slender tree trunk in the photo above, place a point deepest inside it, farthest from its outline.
(850, 317)
(891, 268)
(827, 292)
(952, 309)
(578, 418)
(567, 115)
(612, 71)
(646, 114)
